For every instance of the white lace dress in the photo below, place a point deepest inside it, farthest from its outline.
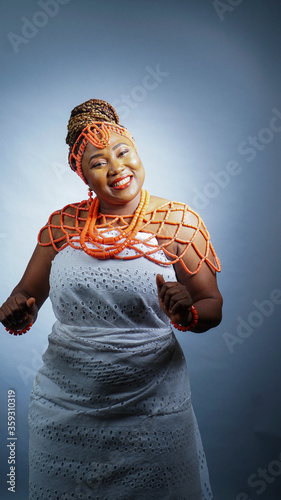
(110, 412)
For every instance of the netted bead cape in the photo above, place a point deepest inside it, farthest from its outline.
(172, 222)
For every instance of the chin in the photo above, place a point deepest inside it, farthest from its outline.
(126, 194)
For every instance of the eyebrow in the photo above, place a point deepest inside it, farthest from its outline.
(98, 155)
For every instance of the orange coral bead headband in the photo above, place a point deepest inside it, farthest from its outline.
(98, 134)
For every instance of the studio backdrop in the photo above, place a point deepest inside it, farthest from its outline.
(198, 85)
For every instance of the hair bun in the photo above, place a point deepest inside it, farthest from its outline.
(87, 112)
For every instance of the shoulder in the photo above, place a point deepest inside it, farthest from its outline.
(183, 233)
(156, 201)
(69, 213)
(63, 224)
(174, 211)
(176, 221)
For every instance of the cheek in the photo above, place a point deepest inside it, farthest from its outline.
(141, 171)
(137, 165)
(96, 179)
(135, 162)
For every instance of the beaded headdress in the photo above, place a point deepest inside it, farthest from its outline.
(92, 122)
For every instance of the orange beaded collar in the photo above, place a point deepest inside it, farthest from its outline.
(81, 226)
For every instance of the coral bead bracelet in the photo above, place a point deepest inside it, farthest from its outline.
(20, 332)
(192, 324)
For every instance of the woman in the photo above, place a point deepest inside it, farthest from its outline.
(110, 413)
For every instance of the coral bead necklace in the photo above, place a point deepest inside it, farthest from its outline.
(117, 243)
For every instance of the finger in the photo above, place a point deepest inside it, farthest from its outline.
(166, 300)
(180, 298)
(168, 288)
(159, 281)
(31, 306)
(9, 318)
(14, 310)
(3, 319)
(2, 316)
(21, 309)
(171, 289)
(181, 306)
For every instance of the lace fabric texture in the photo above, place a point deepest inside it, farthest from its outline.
(110, 413)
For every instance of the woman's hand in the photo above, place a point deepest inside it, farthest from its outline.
(18, 312)
(175, 300)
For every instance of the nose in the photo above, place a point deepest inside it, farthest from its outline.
(115, 167)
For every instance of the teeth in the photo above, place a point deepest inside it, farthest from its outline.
(120, 183)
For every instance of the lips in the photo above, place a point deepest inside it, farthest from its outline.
(122, 182)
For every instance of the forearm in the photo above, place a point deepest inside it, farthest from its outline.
(30, 293)
(39, 292)
(21, 290)
(209, 314)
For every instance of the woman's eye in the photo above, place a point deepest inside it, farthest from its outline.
(98, 164)
(123, 152)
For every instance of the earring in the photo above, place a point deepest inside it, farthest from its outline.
(90, 194)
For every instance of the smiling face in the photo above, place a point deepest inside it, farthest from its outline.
(115, 174)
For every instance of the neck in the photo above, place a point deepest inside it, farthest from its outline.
(118, 208)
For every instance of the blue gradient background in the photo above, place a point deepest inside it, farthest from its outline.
(222, 82)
